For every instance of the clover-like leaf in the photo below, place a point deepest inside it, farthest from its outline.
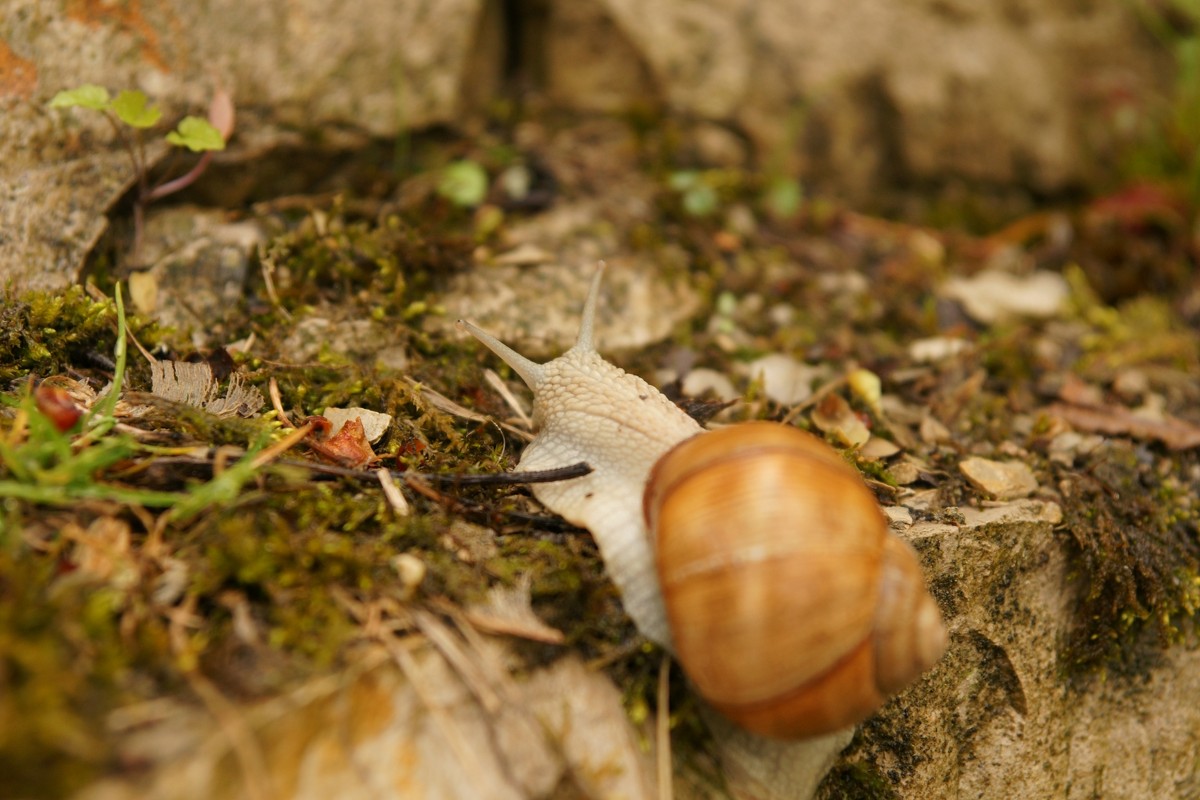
(196, 134)
(132, 108)
(784, 196)
(87, 96)
(684, 179)
(700, 200)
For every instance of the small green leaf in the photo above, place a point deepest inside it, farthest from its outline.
(700, 200)
(683, 180)
(196, 134)
(131, 108)
(784, 196)
(464, 183)
(87, 96)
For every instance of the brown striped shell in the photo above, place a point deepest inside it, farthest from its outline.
(791, 607)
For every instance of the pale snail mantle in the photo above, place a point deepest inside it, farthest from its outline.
(744, 524)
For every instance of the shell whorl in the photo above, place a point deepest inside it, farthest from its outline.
(586, 409)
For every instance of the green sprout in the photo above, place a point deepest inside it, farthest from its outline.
(464, 183)
(783, 196)
(46, 462)
(697, 193)
(130, 113)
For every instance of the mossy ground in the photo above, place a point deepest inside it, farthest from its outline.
(250, 592)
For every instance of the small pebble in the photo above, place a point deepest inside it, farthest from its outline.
(993, 295)
(374, 423)
(1003, 480)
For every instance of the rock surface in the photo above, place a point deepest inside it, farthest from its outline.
(852, 96)
(994, 719)
(997, 718)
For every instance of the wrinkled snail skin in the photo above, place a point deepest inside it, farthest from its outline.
(754, 552)
(586, 409)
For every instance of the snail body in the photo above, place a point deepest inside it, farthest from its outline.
(753, 552)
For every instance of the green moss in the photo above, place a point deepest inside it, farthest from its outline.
(44, 333)
(65, 657)
(1136, 537)
(852, 780)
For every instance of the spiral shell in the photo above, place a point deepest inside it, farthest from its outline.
(791, 607)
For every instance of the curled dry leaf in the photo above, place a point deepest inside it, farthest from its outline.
(348, 447)
(867, 386)
(834, 415)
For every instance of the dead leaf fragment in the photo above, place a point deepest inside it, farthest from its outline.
(1019, 511)
(834, 415)
(784, 379)
(876, 449)
(509, 612)
(348, 447)
(193, 384)
(936, 348)
(1175, 433)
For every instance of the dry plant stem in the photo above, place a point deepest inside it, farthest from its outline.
(472, 675)
(449, 730)
(663, 729)
(283, 445)
(509, 398)
(267, 267)
(393, 494)
(182, 182)
(245, 747)
(443, 403)
(277, 403)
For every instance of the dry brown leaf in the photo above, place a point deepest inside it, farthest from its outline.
(348, 447)
(1175, 433)
(834, 415)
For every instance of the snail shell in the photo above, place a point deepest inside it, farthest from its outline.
(792, 609)
(754, 553)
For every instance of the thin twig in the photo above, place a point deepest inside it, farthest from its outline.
(393, 494)
(182, 182)
(452, 650)
(245, 747)
(449, 729)
(662, 729)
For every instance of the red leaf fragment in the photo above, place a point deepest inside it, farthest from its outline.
(348, 447)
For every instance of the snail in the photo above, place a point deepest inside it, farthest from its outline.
(753, 553)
